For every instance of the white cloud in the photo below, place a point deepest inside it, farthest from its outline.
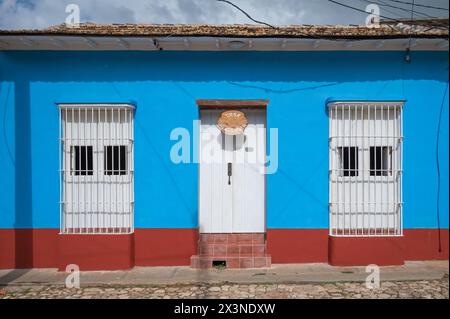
(43, 13)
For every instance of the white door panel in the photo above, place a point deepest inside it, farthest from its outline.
(235, 204)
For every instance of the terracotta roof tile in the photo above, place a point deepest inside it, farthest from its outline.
(400, 30)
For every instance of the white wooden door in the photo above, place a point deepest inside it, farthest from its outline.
(236, 203)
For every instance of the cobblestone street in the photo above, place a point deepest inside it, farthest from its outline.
(434, 289)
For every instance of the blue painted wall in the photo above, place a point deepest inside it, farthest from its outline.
(164, 86)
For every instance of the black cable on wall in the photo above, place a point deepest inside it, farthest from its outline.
(438, 167)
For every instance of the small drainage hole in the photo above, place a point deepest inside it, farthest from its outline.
(219, 264)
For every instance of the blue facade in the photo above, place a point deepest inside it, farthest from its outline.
(164, 87)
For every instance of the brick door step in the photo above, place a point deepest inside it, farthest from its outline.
(237, 250)
(230, 262)
(243, 250)
(242, 238)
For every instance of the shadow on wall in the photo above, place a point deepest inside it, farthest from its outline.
(23, 238)
(231, 67)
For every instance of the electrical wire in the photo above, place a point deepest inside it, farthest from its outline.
(373, 2)
(382, 16)
(384, 4)
(438, 211)
(410, 30)
(158, 46)
(246, 14)
(420, 5)
(360, 10)
(5, 135)
(308, 35)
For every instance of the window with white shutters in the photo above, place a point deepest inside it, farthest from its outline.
(96, 168)
(365, 160)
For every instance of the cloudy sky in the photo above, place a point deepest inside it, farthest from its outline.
(16, 14)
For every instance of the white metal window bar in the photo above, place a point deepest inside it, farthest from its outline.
(365, 160)
(96, 168)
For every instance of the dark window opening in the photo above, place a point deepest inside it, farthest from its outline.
(82, 161)
(115, 160)
(348, 160)
(380, 160)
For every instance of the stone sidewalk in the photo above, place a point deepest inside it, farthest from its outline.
(413, 280)
(427, 289)
(278, 273)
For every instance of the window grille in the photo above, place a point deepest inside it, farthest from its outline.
(365, 160)
(96, 168)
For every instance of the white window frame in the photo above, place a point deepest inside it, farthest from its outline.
(100, 203)
(365, 205)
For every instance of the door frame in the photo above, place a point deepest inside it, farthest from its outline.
(223, 104)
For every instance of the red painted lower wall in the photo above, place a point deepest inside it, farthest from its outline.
(96, 252)
(297, 245)
(362, 251)
(165, 247)
(28, 248)
(425, 244)
(46, 248)
(315, 245)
